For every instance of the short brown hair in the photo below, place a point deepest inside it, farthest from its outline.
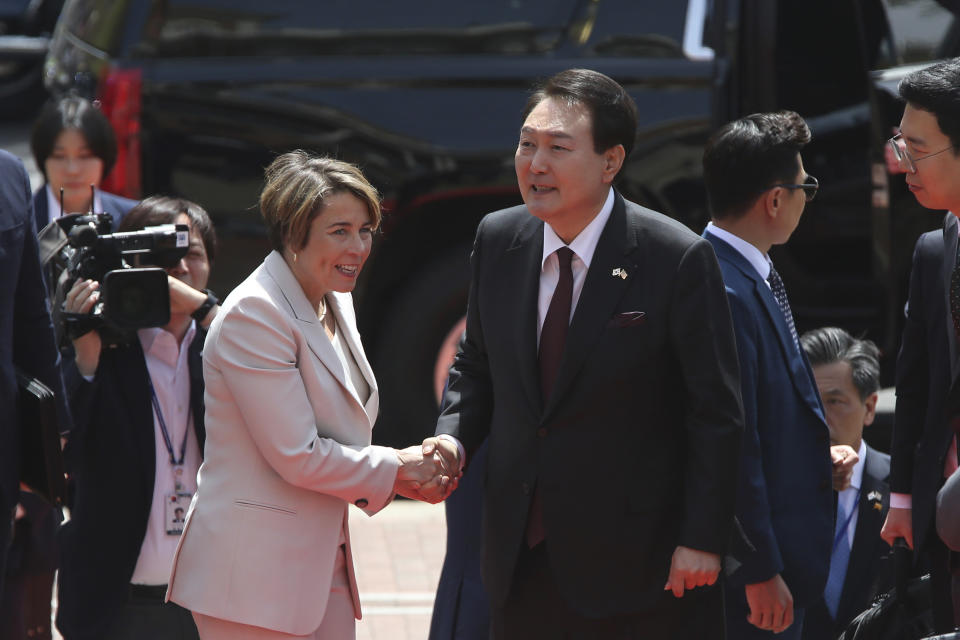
(297, 183)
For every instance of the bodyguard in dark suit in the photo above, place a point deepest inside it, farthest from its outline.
(758, 189)
(847, 373)
(137, 444)
(599, 359)
(26, 332)
(924, 449)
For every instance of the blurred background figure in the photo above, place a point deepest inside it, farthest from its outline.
(136, 448)
(74, 147)
(847, 373)
(26, 342)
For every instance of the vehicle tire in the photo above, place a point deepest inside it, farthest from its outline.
(411, 339)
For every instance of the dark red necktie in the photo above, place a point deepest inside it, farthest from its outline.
(553, 337)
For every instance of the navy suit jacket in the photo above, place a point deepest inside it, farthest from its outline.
(111, 456)
(785, 499)
(26, 330)
(116, 206)
(868, 571)
(928, 366)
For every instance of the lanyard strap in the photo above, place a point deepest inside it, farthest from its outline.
(846, 525)
(166, 434)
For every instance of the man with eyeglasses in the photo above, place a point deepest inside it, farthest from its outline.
(757, 189)
(924, 448)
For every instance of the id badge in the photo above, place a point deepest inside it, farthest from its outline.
(176, 511)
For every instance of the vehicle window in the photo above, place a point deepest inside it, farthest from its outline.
(922, 30)
(95, 22)
(635, 29)
(355, 27)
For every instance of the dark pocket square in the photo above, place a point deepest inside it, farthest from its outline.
(627, 319)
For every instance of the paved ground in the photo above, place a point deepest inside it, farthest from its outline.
(398, 554)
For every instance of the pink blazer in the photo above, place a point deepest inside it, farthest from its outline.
(288, 449)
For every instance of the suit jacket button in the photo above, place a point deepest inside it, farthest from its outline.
(362, 502)
(542, 432)
(526, 488)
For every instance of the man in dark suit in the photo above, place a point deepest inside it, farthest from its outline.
(135, 451)
(757, 189)
(599, 359)
(26, 331)
(847, 372)
(924, 449)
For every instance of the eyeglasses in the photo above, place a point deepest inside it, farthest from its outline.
(903, 156)
(809, 186)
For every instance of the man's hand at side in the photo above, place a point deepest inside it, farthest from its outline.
(690, 568)
(771, 604)
(898, 525)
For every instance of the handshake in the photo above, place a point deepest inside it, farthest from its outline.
(428, 472)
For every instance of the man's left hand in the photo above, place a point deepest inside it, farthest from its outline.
(844, 459)
(690, 568)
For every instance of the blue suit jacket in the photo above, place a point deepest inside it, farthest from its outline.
(785, 499)
(26, 331)
(116, 206)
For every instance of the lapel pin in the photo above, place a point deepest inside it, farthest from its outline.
(875, 496)
(620, 272)
(878, 506)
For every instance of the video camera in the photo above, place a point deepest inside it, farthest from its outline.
(132, 296)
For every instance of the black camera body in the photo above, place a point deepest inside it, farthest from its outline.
(132, 295)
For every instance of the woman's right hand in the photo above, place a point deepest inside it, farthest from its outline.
(420, 477)
(80, 299)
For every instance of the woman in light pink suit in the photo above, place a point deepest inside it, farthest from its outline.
(290, 404)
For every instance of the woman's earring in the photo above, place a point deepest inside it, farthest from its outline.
(294, 256)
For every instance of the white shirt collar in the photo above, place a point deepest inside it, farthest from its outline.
(53, 204)
(586, 241)
(758, 259)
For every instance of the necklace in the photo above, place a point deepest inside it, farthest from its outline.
(323, 309)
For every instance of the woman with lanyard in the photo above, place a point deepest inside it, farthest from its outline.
(134, 454)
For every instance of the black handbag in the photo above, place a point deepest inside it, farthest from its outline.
(41, 462)
(903, 613)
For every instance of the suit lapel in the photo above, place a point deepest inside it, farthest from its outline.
(599, 297)
(351, 338)
(301, 309)
(799, 372)
(523, 262)
(949, 258)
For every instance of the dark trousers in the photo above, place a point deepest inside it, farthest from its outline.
(145, 616)
(738, 628)
(535, 610)
(943, 564)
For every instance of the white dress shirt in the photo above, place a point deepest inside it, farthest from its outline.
(53, 205)
(583, 247)
(169, 371)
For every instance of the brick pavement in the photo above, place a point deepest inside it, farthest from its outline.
(398, 554)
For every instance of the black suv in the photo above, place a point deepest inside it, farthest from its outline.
(426, 97)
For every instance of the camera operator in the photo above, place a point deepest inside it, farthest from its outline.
(135, 449)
